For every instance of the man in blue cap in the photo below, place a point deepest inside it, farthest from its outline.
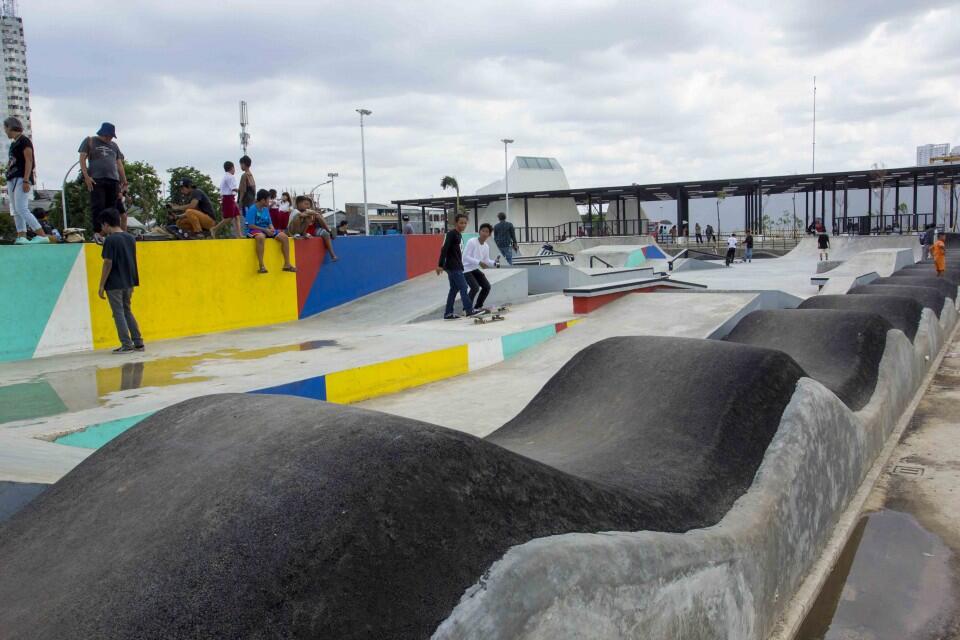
(101, 163)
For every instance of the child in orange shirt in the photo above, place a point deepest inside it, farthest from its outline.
(939, 251)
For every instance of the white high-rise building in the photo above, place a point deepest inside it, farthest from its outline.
(16, 90)
(927, 151)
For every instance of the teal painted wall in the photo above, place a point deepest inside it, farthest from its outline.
(33, 277)
(517, 342)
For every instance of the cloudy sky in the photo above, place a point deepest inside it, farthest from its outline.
(619, 92)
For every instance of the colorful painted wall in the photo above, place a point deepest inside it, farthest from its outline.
(50, 303)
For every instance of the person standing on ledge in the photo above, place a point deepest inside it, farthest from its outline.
(105, 177)
(505, 236)
(748, 247)
(451, 261)
(823, 241)
(118, 278)
(939, 253)
(21, 176)
(731, 248)
(698, 233)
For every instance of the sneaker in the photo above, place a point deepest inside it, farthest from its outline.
(124, 349)
(450, 317)
(475, 312)
(21, 240)
(139, 347)
(40, 240)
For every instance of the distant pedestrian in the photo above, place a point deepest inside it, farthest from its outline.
(101, 164)
(823, 243)
(451, 261)
(929, 237)
(939, 252)
(118, 278)
(343, 229)
(710, 233)
(673, 234)
(505, 237)
(21, 176)
(229, 188)
(476, 258)
(407, 227)
(699, 234)
(731, 248)
(748, 247)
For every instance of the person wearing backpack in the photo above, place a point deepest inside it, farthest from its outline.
(21, 176)
(101, 164)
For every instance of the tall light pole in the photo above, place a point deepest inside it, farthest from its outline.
(506, 178)
(363, 157)
(244, 121)
(813, 152)
(333, 193)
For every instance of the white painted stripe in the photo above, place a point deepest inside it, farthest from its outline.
(68, 327)
(485, 353)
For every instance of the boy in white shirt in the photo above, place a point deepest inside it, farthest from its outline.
(228, 202)
(476, 256)
(731, 248)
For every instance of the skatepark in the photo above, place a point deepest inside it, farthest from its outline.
(642, 443)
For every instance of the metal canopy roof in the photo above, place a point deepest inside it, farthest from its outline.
(862, 179)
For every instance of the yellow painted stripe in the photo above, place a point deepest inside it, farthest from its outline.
(370, 381)
(570, 323)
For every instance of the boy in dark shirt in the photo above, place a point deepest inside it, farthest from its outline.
(118, 278)
(451, 261)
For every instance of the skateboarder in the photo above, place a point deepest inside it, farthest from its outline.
(823, 242)
(476, 257)
(451, 261)
(748, 247)
(939, 253)
(731, 248)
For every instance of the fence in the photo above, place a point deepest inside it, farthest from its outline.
(594, 229)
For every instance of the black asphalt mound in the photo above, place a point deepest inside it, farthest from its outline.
(927, 269)
(255, 516)
(243, 516)
(940, 284)
(903, 313)
(928, 297)
(839, 349)
(952, 277)
(674, 420)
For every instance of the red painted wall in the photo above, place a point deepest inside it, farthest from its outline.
(309, 254)
(423, 252)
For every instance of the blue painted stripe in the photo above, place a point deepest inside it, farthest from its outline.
(97, 435)
(514, 343)
(314, 388)
(365, 265)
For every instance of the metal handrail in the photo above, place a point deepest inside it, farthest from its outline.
(592, 258)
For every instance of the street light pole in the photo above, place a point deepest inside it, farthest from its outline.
(333, 194)
(506, 178)
(63, 194)
(363, 157)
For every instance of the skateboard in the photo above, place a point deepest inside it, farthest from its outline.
(496, 317)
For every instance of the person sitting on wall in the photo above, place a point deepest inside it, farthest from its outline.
(304, 219)
(196, 216)
(476, 257)
(260, 227)
(343, 229)
(49, 229)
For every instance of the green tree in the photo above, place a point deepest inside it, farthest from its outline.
(198, 178)
(78, 207)
(449, 182)
(143, 190)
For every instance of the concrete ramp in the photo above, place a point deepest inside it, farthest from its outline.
(554, 278)
(883, 262)
(844, 247)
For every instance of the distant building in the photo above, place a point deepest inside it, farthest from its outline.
(384, 221)
(927, 152)
(16, 89)
(532, 174)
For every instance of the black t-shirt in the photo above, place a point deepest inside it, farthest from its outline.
(203, 201)
(121, 248)
(749, 242)
(16, 162)
(451, 257)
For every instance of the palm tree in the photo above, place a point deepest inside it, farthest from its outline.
(449, 182)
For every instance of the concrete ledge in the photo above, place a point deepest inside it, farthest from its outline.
(732, 580)
(591, 297)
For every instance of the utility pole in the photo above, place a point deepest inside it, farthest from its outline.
(244, 121)
(506, 178)
(363, 158)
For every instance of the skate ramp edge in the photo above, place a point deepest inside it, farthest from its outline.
(732, 580)
(883, 262)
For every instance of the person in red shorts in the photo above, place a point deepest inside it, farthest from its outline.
(228, 202)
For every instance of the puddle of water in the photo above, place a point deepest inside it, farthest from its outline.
(89, 387)
(892, 582)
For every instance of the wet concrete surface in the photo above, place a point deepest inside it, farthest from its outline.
(58, 392)
(899, 576)
(892, 582)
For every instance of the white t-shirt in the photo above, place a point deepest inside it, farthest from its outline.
(475, 253)
(229, 184)
(731, 242)
(285, 207)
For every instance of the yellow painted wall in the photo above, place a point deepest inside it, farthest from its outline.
(202, 286)
(354, 385)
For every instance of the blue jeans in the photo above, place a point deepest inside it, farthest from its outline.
(458, 284)
(748, 254)
(507, 253)
(20, 206)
